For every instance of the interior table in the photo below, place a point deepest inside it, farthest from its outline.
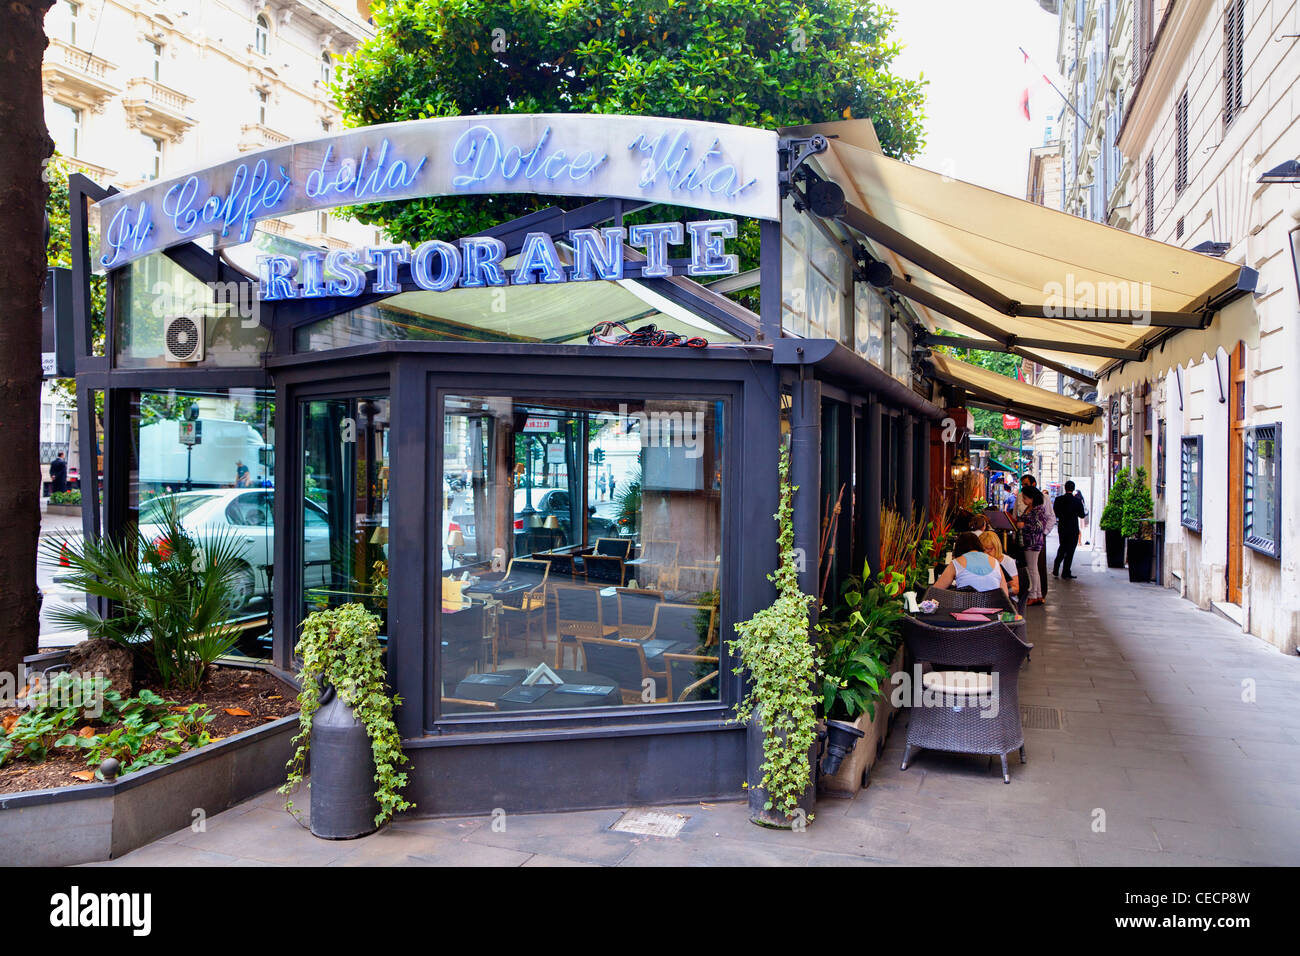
(945, 619)
(506, 689)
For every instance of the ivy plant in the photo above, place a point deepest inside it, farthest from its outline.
(784, 669)
(340, 648)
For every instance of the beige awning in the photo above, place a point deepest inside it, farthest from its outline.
(988, 389)
(983, 264)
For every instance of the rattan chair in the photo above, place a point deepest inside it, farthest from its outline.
(528, 606)
(966, 711)
(685, 623)
(952, 600)
(659, 564)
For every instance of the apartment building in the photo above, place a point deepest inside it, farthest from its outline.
(1207, 140)
(136, 90)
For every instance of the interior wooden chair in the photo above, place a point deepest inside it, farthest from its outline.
(636, 611)
(697, 578)
(660, 564)
(686, 623)
(456, 704)
(690, 673)
(604, 570)
(624, 662)
(578, 613)
(528, 606)
(614, 548)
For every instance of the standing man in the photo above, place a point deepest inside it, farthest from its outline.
(1069, 509)
(59, 474)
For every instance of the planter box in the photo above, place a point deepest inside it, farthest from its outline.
(64, 826)
(1141, 557)
(1114, 549)
(63, 509)
(851, 777)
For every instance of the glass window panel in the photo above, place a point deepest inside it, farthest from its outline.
(344, 502)
(220, 482)
(901, 339)
(581, 552)
(1263, 488)
(154, 288)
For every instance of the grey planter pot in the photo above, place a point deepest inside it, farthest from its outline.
(758, 796)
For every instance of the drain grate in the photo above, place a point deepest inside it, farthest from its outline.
(651, 823)
(1038, 717)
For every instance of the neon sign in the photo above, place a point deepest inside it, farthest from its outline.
(479, 261)
(730, 170)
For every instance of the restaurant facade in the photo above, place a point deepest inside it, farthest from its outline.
(546, 455)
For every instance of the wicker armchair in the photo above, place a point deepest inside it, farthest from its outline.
(950, 600)
(976, 712)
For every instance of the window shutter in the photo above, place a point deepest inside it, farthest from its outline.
(1151, 195)
(1181, 144)
(1136, 59)
(1234, 35)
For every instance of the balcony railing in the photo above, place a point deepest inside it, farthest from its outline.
(75, 75)
(156, 108)
(257, 136)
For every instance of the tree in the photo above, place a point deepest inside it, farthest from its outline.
(989, 422)
(22, 202)
(764, 63)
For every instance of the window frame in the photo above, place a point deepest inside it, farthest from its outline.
(1182, 136)
(1272, 544)
(1234, 68)
(513, 386)
(1191, 445)
(261, 35)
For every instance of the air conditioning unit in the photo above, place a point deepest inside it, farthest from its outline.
(183, 338)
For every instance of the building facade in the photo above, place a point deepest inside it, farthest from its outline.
(1208, 109)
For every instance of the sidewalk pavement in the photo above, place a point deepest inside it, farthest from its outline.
(1179, 744)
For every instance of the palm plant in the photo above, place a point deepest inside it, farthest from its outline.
(170, 598)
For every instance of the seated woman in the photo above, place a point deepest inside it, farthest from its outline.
(993, 548)
(971, 569)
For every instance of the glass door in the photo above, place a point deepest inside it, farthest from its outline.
(344, 503)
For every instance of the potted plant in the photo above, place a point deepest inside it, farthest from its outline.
(1136, 528)
(859, 646)
(774, 648)
(343, 672)
(1112, 519)
(171, 597)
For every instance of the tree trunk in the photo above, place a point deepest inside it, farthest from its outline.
(22, 209)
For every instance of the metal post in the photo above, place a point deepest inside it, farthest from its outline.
(906, 462)
(769, 282)
(871, 502)
(805, 474)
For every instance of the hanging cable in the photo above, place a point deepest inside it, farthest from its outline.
(608, 333)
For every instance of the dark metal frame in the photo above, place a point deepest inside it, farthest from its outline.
(1272, 545)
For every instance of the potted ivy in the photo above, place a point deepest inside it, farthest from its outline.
(784, 669)
(1136, 528)
(1112, 519)
(860, 643)
(345, 705)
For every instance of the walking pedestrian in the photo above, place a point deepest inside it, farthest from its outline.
(1069, 510)
(1033, 526)
(59, 474)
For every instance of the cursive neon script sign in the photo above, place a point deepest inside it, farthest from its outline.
(729, 170)
(255, 192)
(479, 261)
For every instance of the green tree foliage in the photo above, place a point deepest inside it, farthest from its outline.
(765, 63)
(58, 252)
(1138, 507)
(1112, 516)
(1007, 440)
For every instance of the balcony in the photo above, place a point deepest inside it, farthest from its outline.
(156, 109)
(99, 174)
(256, 136)
(77, 77)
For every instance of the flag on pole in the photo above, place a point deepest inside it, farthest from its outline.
(1035, 80)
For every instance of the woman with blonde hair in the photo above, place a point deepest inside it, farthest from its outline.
(993, 548)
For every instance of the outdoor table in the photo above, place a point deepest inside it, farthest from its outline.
(505, 688)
